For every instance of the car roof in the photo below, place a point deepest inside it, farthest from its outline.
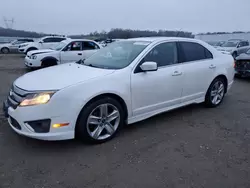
(68, 39)
(158, 39)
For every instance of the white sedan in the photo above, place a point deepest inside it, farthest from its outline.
(66, 51)
(125, 82)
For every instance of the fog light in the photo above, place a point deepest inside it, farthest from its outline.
(40, 126)
(57, 125)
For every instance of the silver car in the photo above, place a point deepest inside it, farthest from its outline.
(13, 46)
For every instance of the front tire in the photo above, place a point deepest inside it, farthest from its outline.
(100, 121)
(48, 63)
(215, 93)
(5, 50)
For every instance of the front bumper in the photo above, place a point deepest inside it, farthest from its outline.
(31, 62)
(17, 119)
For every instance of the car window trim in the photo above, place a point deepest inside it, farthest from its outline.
(146, 53)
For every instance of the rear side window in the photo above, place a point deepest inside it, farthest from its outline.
(88, 45)
(191, 51)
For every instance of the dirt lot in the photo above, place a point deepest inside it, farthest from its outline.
(189, 147)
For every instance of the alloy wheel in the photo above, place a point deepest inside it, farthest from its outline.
(5, 50)
(217, 92)
(103, 121)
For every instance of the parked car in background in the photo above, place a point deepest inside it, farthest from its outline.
(43, 43)
(13, 46)
(125, 82)
(241, 50)
(69, 50)
(232, 45)
(216, 43)
(242, 65)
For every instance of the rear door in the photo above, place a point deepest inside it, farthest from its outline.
(198, 70)
(89, 48)
(72, 52)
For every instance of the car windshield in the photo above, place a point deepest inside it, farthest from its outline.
(117, 55)
(230, 44)
(60, 46)
(13, 42)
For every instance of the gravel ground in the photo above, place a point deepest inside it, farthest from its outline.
(189, 147)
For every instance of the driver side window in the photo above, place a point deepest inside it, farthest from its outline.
(47, 40)
(74, 46)
(163, 54)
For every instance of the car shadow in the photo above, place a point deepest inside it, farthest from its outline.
(76, 144)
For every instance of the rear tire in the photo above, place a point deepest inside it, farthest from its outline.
(92, 119)
(5, 50)
(215, 93)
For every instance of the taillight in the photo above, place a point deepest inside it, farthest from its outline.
(234, 64)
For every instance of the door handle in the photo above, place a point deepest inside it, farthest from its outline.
(212, 66)
(177, 73)
(79, 54)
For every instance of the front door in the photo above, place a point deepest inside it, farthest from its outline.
(161, 89)
(72, 52)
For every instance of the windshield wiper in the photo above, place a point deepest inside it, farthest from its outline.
(81, 61)
(91, 65)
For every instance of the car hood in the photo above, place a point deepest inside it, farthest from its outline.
(26, 44)
(5, 44)
(58, 77)
(35, 52)
(243, 56)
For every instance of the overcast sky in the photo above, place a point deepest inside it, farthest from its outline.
(83, 16)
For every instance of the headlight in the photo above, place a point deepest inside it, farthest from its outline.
(23, 45)
(33, 57)
(38, 98)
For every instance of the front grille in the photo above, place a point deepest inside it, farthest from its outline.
(242, 65)
(16, 96)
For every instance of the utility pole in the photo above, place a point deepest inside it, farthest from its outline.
(8, 22)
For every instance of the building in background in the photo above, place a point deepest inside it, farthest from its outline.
(222, 37)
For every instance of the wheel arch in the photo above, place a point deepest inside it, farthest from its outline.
(111, 95)
(29, 49)
(49, 58)
(222, 76)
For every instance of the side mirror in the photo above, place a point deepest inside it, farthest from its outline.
(149, 66)
(40, 42)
